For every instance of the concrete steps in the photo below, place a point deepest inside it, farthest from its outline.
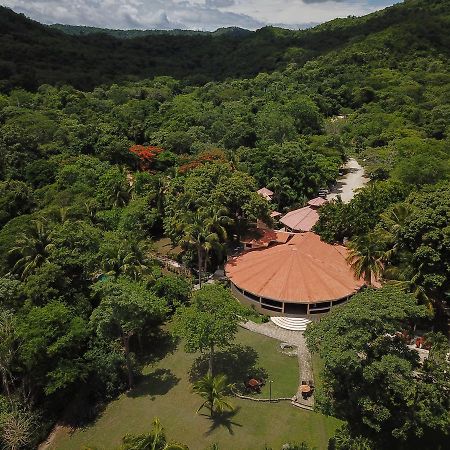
(291, 323)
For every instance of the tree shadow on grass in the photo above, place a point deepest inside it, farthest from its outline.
(159, 382)
(156, 346)
(238, 363)
(224, 420)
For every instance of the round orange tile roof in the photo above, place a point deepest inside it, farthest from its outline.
(304, 270)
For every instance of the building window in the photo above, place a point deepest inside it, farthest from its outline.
(271, 308)
(251, 296)
(272, 303)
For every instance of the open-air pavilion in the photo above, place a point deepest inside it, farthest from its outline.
(303, 277)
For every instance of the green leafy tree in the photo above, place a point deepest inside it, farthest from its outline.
(210, 321)
(8, 349)
(16, 198)
(129, 259)
(113, 188)
(177, 290)
(372, 379)
(52, 341)
(125, 308)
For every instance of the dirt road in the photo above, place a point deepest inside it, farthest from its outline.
(353, 180)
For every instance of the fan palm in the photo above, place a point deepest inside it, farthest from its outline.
(213, 389)
(365, 258)
(33, 249)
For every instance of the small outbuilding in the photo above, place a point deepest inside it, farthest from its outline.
(266, 193)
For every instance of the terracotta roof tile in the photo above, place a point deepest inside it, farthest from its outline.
(302, 219)
(262, 237)
(318, 201)
(304, 270)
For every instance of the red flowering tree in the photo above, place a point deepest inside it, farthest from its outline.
(202, 158)
(146, 155)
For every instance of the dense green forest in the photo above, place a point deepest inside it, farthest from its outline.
(76, 30)
(32, 54)
(108, 144)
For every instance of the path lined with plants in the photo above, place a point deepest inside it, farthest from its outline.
(294, 338)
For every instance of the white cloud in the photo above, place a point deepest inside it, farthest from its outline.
(192, 14)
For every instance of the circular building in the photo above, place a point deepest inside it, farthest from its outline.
(304, 276)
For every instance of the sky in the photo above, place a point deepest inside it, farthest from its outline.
(192, 14)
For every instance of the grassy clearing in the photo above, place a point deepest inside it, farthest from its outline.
(166, 391)
(164, 247)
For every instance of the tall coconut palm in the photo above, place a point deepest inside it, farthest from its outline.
(393, 222)
(202, 231)
(33, 249)
(365, 258)
(410, 281)
(214, 390)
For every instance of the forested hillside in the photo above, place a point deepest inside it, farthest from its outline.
(107, 145)
(32, 54)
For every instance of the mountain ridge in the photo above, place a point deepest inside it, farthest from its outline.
(32, 54)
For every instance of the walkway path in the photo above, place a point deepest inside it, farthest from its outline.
(353, 180)
(294, 338)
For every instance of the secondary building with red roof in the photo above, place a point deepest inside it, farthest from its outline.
(304, 276)
(300, 220)
(262, 237)
(266, 193)
(303, 219)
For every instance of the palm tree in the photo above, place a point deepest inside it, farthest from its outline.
(120, 193)
(155, 440)
(213, 389)
(392, 224)
(129, 260)
(410, 281)
(365, 258)
(203, 231)
(33, 248)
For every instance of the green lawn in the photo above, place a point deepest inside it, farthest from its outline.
(166, 392)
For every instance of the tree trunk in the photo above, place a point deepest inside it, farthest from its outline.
(211, 359)
(6, 384)
(141, 348)
(126, 346)
(205, 262)
(368, 279)
(200, 263)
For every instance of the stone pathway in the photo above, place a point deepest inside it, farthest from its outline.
(295, 338)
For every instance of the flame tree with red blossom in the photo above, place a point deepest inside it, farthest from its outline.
(146, 154)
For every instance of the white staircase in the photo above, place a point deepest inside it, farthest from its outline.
(291, 323)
